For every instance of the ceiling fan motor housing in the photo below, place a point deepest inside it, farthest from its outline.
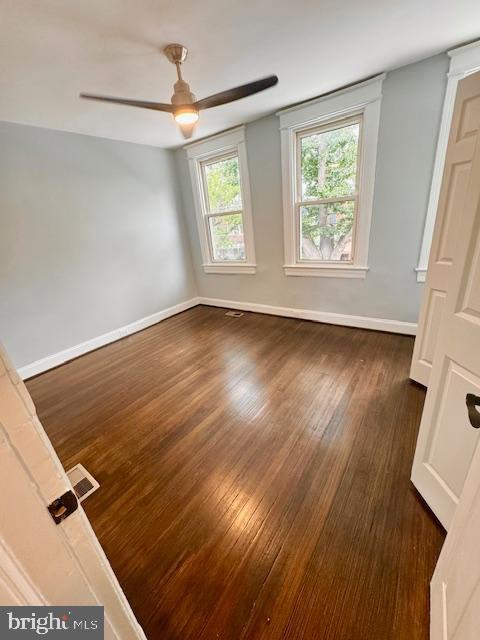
(182, 94)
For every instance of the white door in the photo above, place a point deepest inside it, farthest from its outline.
(42, 562)
(455, 588)
(446, 440)
(464, 130)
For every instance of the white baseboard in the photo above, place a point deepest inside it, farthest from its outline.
(56, 359)
(362, 322)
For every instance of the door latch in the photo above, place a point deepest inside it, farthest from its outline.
(473, 401)
(63, 506)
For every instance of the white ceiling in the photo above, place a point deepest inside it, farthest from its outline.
(50, 50)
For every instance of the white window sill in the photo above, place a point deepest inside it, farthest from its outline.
(245, 269)
(325, 271)
(421, 274)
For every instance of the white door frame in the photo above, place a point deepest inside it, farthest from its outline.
(463, 61)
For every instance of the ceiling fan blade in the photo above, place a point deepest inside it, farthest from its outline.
(156, 106)
(236, 93)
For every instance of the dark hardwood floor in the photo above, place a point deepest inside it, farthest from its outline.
(254, 476)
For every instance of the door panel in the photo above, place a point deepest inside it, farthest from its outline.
(456, 189)
(469, 298)
(446, 440)
(470, 117)
(433, 318)
(452, 441)
(449, 223)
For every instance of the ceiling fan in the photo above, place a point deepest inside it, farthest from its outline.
(184, 106)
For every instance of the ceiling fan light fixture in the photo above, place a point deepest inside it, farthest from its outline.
(187, 116)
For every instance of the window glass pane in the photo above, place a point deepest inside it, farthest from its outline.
(326, 231)
(226, 233)
(329, 163)
(222, 180)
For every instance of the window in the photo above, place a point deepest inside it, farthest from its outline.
(328, 157)
(327, 170)
(223, 208)
(218, 169)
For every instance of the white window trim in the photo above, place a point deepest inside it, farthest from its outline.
(364, 98)
(463, 61)
(232, 141)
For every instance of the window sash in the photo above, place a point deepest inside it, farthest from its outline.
(298, 223)
(203, 174)
(332, 125)
(210, 239)
(207, 213)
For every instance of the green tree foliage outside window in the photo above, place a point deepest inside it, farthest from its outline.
(328, 170)
(223, 186)
(224, 196)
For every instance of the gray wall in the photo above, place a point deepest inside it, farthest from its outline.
(90, 238)
(91, 235)
(410, 119)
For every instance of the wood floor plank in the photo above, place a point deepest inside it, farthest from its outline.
(254, 476)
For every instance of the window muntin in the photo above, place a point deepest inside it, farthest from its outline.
(327, 171)
(223, 208)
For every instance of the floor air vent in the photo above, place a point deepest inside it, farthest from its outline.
(235, 314)
(82, 482)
